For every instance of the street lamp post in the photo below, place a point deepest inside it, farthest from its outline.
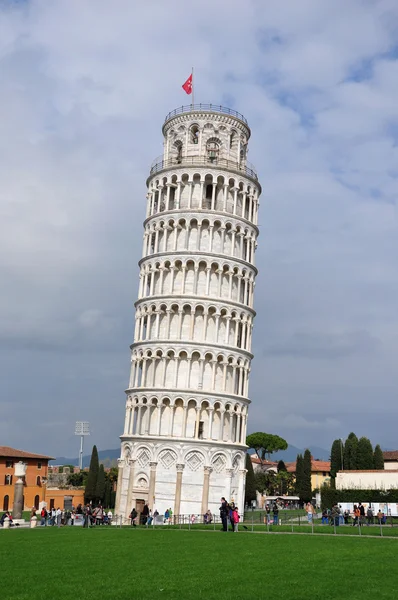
(341, 448)
(82, 428)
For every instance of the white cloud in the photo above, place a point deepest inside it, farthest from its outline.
(84, 90)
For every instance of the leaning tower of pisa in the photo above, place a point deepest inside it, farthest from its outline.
(183, 444)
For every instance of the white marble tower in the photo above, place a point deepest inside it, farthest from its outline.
(183, 445)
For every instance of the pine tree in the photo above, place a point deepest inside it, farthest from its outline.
(378, 458)
(335, 458)
(91, 485)
(364, 454)
(306, 488)
(351, 453)
(299, 475)
(250, 491)
(100, 487)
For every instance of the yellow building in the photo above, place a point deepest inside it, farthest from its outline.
(320, 472)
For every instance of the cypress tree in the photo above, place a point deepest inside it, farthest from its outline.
(100, 487)
(335, 458)
(306, 489)
(299, 475)
(250, 491)
(91, 485)
(351, 453)
(281, 466)
(378, 458)
(364, 454)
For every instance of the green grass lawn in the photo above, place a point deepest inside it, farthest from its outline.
(124, 564)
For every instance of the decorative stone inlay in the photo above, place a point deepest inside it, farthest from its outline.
(143, 458)
(219, 463)
(168, 458)
(194, 460)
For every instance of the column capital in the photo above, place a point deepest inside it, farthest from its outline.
(153, 465)
(132, 462)
(229, 472)
(207, 470)
(180, 467)
(120, 463)
(243, 472)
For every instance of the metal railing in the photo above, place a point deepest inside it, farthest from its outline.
(217, 108)
(159, 164)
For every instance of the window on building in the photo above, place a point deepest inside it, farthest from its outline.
(324, 474)
(6, 502)
(38, 480)
(178, 146)
(194, 134)
(8, 480)
(9, 464)
(37, 500)
(212, 151)
(39, 465)
(201, 429)
(52, 503)
(209, 191)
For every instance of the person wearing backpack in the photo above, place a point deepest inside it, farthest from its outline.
(133, 516)
(369, 516)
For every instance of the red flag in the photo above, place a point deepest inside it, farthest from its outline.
(187, 86)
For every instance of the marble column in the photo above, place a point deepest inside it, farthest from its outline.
(18, 506)
(205, 492)
(228, 481)
(177, 500)
(241, 490)
(129, 501)
(152, 482)
(120, 464)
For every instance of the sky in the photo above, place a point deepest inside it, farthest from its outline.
(84, 89)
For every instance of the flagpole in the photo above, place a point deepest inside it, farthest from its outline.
(193, 97)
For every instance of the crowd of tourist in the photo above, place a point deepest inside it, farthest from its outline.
(89, 515)
(358, 516)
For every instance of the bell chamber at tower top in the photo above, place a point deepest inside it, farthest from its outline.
(205, 134)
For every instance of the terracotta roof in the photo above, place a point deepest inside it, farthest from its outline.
(316, 466)
(257, 461)
(13, 453)
(390, 455)
(371, 471)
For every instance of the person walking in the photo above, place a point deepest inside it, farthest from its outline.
(275, 512)
(58, 516)
(43, 517)
(133, 516)
(145, 513)
(224, 514)
(361, 513)
(369, 516)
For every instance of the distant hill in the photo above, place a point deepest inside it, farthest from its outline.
(109, 457)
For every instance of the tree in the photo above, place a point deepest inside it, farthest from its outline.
(91, 485)
(100, 487)
(265, 482)
(250, 491)
(378, 458)
(335, 458)
(351, 453)
(265, 443)
(306, 486)
(364, 454)
(281, 466)
(299, 474)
